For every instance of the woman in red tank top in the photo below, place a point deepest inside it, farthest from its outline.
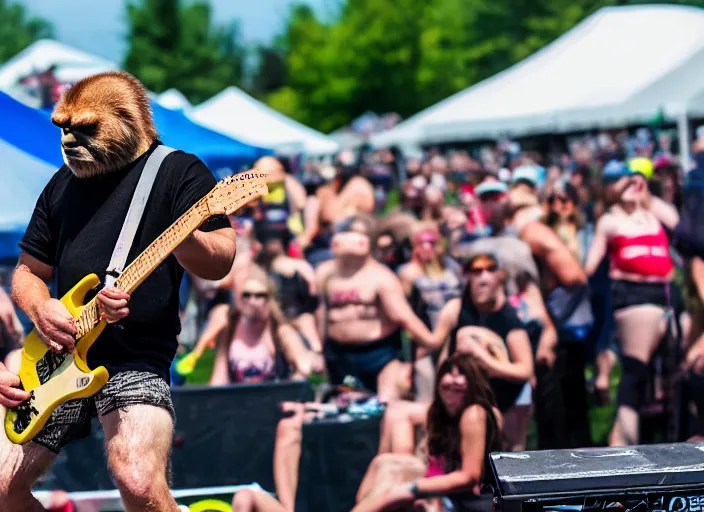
(631, 233)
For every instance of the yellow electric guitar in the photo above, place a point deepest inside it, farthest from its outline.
(52, 379)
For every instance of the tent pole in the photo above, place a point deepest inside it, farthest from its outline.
(683, 136)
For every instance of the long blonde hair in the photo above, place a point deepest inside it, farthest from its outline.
(276, 316)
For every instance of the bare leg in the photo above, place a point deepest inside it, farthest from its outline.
(387, 470)
(255, 501)
(138, 441)
(20, 467)
(287, 455)
(398, 426)
(640, 329)
(605, 362)
(390, 380)
(425, 379)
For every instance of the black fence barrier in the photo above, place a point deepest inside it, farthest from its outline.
(223, 436)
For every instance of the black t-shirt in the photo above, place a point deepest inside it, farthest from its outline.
(74, 228)
(502, 322)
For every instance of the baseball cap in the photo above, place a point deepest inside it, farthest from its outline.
(615, 170)
(527, 174)
(642, 166)
(491, 186)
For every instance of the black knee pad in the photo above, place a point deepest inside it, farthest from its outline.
(634, 377)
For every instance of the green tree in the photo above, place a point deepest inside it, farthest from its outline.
(406, 55)
(175, 44)
(18, 30)
(270, 74)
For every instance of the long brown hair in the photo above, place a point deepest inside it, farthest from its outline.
(444, 436)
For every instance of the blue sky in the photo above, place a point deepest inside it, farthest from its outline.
(98, 26)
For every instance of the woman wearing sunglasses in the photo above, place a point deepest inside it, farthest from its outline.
(258, 345)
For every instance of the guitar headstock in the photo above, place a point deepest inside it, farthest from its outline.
(236, 191)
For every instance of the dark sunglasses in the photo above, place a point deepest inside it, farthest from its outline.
(252, 295)
(477, 271)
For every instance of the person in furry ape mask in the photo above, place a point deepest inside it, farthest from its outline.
(107, 134)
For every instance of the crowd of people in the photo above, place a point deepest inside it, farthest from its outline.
(468, 292)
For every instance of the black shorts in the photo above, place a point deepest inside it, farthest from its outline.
(72, 419)
(626, 294)
(362, 361)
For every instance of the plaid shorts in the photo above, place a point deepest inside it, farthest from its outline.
(72, 419)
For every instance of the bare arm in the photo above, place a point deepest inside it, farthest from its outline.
(520, 367)
(297, 192)
(307, 325)
(208, 255)
(548, 337)
(698, 276)
(221, 375)
(599, 245)
(29, 289)
(399, 311)
(473, 439)
(447, 320)
(311, 222)
(405, 274)
(365, 197)
(294, 350)
(666, 213)
(547, 246)
(322, 274)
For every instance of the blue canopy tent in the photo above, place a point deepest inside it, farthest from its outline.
(215, 149)
(29, 130)
(29, 155)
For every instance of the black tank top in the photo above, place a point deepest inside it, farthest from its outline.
(501, 322)
(294, 295)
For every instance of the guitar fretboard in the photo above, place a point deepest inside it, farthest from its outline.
(144, 264)
(147, 262)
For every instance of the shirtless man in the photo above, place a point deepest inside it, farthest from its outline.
(363, 311)
(348, 194)
(564, 286)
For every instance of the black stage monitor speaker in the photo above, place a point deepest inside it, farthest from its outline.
(659, 477)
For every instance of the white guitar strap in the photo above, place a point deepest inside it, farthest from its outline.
(134, 214)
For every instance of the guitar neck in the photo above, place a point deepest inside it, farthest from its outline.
(137, 271)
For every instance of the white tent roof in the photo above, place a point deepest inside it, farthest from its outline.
(71, 64)
(236, 114)
(174, 99)
(619, 66)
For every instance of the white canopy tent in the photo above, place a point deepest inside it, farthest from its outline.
(236, 114)
(622, 65)
(71, 64)
(173, 99)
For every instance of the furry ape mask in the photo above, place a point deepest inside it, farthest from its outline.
(106, 123)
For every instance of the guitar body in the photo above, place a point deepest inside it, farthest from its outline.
(52, 379)
(55, 378)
